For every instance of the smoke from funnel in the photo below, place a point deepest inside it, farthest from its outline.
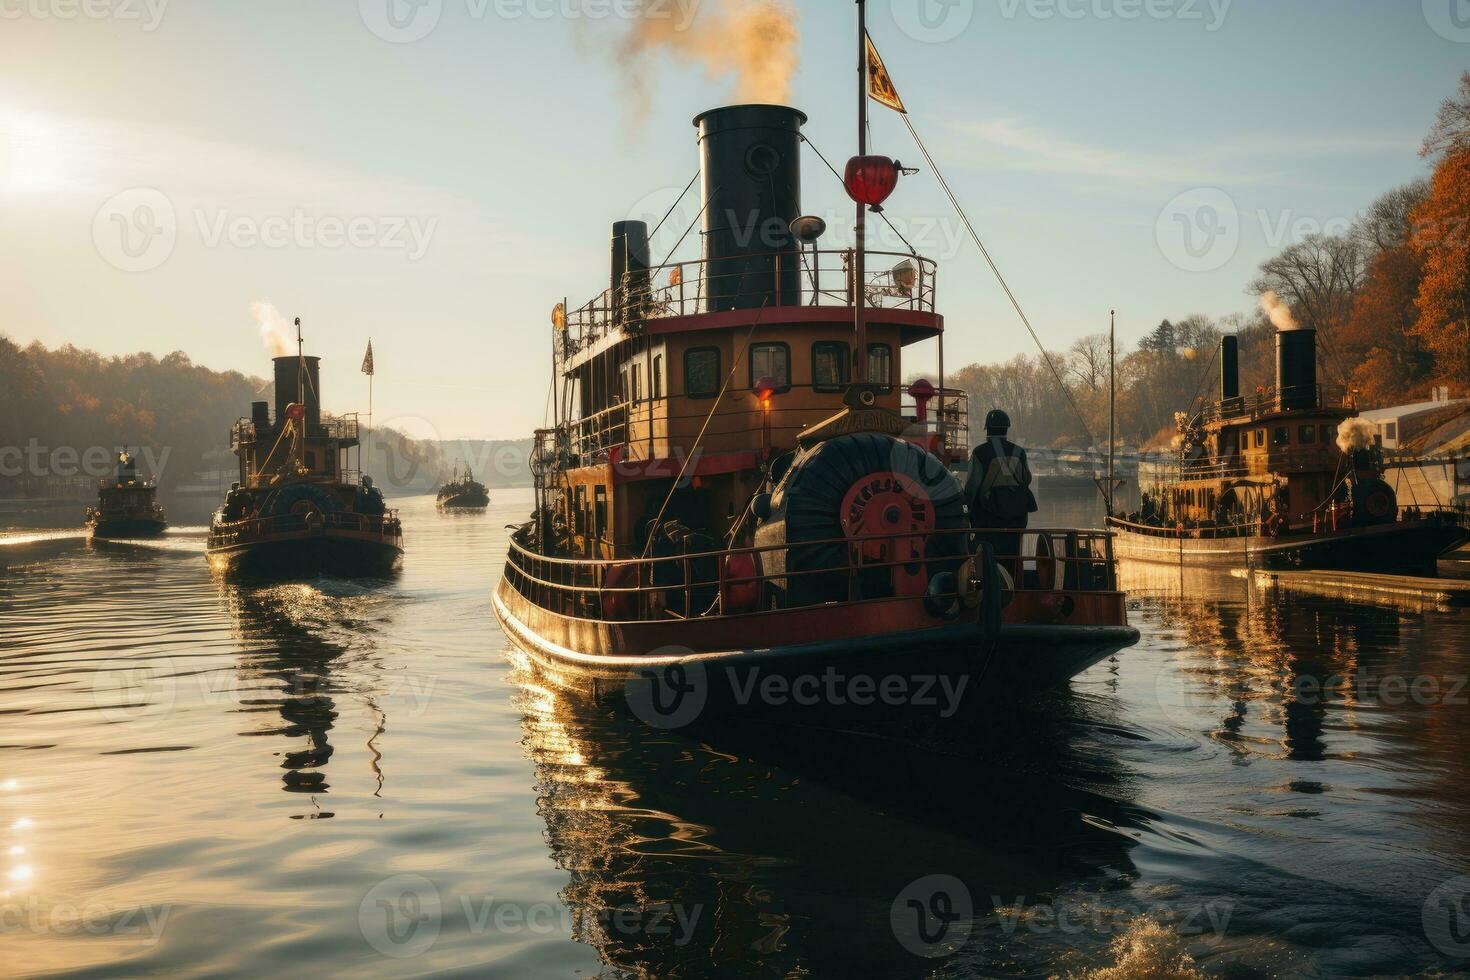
(274, 332)
(753, 40)
(1280, 314)
(1355, 435)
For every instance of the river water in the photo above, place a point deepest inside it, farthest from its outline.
(201, 778)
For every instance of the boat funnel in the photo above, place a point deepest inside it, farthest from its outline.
(295, 384)
(750, 168)
(1229, 367)
(1296, 368)
(629, 268)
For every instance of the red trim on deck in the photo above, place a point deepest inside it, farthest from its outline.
(667, 468)
(923, 322)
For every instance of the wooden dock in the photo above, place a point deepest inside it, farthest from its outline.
(1372, 585)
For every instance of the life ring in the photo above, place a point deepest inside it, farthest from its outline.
(619, 605)
(741, 591)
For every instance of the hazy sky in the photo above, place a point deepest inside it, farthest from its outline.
(163, 166)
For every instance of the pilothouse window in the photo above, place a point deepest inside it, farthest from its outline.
(880, 365)
(702, 372)
(771, 361)
(829, 365)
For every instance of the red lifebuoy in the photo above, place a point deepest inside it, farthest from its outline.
(742, 588)
(619, 605)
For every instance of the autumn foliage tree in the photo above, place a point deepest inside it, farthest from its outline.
(1441, 242)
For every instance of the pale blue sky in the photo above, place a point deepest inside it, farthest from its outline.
(482, 165)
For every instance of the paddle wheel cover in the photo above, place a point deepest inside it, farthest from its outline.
(884, 504)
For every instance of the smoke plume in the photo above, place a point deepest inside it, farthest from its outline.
(274, 331)
(1275, 308)
(755, 41)
(1354, 435)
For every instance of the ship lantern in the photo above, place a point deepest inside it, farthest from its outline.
(296, 411)
(765, 390)
(870, 179)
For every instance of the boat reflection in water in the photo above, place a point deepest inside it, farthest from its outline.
(293, 666)
(767, 849)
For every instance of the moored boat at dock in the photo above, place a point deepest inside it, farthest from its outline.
(301, 505)
(1285, 479)
(127, 506)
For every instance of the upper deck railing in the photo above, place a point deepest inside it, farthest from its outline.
(892, 281)
(340, 427)
(1270, 401)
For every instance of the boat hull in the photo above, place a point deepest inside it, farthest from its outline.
(1408, 547)
(879, 638)
(128, 527)
(292, 555)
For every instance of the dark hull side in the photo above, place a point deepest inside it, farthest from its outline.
(296, 557)
(1406, 547)
(128, 527)
(877, 640)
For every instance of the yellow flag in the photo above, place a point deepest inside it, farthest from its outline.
(880, 83)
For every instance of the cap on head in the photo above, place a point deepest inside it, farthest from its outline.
(997, 421)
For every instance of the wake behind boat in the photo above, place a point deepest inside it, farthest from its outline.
(301, 505)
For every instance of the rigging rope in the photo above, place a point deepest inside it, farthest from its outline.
(995, 270)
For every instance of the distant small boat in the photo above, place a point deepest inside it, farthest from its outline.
(127, 507)
(463, 492)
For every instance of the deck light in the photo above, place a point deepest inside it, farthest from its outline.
(765, 389)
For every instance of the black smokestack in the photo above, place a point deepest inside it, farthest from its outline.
(289, 379)
(750, 163)
(1229, 367)
(1296, 368)
(260, 415)
(629, 267)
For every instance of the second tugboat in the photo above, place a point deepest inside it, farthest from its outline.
(127, 507)
(301, 506)
(1285, 479)
(463, 492)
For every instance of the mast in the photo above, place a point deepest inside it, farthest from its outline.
(860, 355)
(1112, 402)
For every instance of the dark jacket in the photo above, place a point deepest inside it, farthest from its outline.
(998, 489)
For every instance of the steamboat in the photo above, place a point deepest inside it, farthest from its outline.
(301, 505)
(1286, 478)
(127, 507)
(737, 474)
(462, 492)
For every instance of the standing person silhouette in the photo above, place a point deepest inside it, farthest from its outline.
(998, 490)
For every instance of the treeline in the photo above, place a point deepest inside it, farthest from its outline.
(1390, 299)
(65, 411)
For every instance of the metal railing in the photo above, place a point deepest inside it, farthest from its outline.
(249, 529)
(625, 589)
(1269, 400)
(952, 405)
(339, 427)
(823, 277)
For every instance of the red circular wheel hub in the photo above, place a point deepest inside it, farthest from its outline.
(878, 511)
